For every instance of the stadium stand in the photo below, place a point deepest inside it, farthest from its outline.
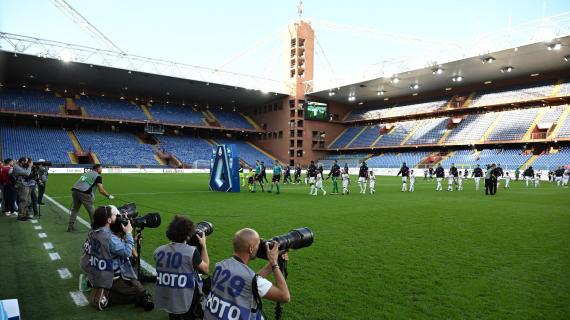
(247, 152)
(119, 149)
(108, 108)
(429, 131)
(564, 131)
(552, 160)
(353, 160)
(345, 137)
(367, 137)
(378, 112)
(552, 114)
(394, 160)
(51, 144)
(512, 95)
(30, 101)
(175, 114)
(508, 158)
(232, 119)
(397, 135)
(472, 128)
(513, 124)
(186, 149)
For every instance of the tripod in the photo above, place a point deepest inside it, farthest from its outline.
(138, 239)
(283, 266)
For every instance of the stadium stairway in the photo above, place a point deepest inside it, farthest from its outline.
(147, 112)
(556, 88)
(355, 137)
(559, 123)
(469, 100)
(411, 133)
(536, 121)
(74, 141)
(491, 127)
(210, 119)
(529, 161)
(337, 137)
(250, 120)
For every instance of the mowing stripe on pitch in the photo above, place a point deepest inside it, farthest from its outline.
(79, 298)
(145, 265)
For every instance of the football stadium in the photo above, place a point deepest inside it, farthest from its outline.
(336, 168)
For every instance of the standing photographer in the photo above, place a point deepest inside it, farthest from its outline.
(43, 172)
(83, 193)
(22, 178)
(237, 290)
(7, 184)
(106, 260)
(177, 266)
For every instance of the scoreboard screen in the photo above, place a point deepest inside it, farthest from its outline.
(316, 111)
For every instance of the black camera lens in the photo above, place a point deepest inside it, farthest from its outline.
(294, 239)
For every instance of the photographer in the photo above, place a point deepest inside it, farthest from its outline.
(43, 172)
(7, 184)
(177, 266)
(83, 193)
(23, 180)
(237, 290)
(106, 260)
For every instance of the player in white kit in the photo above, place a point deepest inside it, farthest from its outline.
(372, 181)
(412, 181)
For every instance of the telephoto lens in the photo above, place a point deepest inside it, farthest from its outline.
(294, 239)
(204, 227)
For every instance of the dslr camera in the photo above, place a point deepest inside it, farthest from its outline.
(128, 212)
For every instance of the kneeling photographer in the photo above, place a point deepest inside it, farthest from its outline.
(106, 260)
(178, 283)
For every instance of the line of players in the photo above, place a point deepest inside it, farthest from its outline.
(315, 176)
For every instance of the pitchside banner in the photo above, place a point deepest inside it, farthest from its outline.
(224, 169)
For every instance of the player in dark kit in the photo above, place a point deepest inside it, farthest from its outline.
(297, 174)
(363, 177)
(453, 171)
(335, 173)
(439, 175)
(430, 173)
(405, 172)
(287, 175)
(477, 173)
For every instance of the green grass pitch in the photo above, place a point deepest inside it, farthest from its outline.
(393, 255)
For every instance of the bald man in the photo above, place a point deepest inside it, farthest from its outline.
(236, 289)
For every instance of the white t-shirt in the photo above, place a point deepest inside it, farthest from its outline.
(345, 177)
(263, 286)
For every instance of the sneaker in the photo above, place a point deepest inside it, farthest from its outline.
(42, 204)
(7, 213)
(22, 218)
(324, 193)
(83, 283)
(99, 298)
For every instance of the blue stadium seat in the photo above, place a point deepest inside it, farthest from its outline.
(186, 149)
(232, 119)
(108, 108)
(51, 144)
(176, 114)
(116, 148)
(32, 101)
(248, 153)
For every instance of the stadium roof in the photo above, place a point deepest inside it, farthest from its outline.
(524, 61)
(36, 71)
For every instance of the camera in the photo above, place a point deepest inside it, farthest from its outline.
(204, 227)
(129, 212)
(294, 239)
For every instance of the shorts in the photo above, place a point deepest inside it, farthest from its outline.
(319, 184)
(276, 178)
(404, 179)
(311, 180)
(361, 179)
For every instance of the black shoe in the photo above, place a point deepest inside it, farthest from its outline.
(42, 204)
(22, 218)
(145, 302)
